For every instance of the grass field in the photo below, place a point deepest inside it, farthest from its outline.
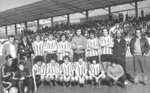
(131, 88)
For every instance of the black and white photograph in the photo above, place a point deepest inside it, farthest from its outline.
(74, 46)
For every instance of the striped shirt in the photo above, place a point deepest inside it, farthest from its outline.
(39, 70)
(64, 48)
(38, 48)
(95, 69)
(66, 69)
(92, 43)
(81, 69)
(53, 69)
(45, 47)
(52, 46)
(106, 44)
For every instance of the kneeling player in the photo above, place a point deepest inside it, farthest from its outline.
(66, 70)
(52, 73)
(8, 82)
(96, 72)
(38, 72)
(81, 71)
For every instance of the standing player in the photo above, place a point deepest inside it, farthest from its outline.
(51, 49)
(64, 47)
(96, 72)
(106, 42)
(38, 72)
(66, 70)
(81, 71)
(52, 72)
(38, 46)
(92, 47)
(79, 43)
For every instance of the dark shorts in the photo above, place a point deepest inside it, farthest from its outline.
(51, 56)
(9, 84)
(106, 57)
(90, 59)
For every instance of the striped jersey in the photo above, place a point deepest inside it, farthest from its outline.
(45, 47)
(106, 40)
(95, 69)
(64, 46)
(52, 46)
(92, 43)
(39, 70)
(81, 69)
(38, 48)
(53, 69)
(66, 69)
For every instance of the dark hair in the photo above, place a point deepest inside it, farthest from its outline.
(137, 30)
(8, 57)
(77, 30)
(66, 57)
(92, 32)
(114, 60)
(104, 29)
(64, 35)
(38, 58)
(11, 36)
(21, 63)
(81, 57)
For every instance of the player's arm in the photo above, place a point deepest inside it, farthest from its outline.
(101, 70)
(121, 72)
(111, 43)
(85, 70)
(34, 80)
(5, 75)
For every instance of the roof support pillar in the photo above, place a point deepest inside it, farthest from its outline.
(52, 22)
(38, 25)
(6, 30)
(26, 25)
(68, 18)
(136, 9)
(109, 13)
(87, 15)
(16, 29)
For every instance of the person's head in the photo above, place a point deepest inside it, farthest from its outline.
(11, 38)
(80, 60)
(24, 39)
(138, 33)
(45, 38)
(94, 61)
(13, 90)
(78, 32)
(66, 59)
(53, 61)
(21, 65)
(51, 36)
(118, 34)
(38, 38)
(114, 63)
(105, 32)
(9, 60)
(63, 37)
(38, 60)
(92, 34)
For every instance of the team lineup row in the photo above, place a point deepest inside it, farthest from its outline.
(65, 74)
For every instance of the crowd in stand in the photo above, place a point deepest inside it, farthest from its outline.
(76, 54)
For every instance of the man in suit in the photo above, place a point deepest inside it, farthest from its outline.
(139, 48)
(11, 48)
